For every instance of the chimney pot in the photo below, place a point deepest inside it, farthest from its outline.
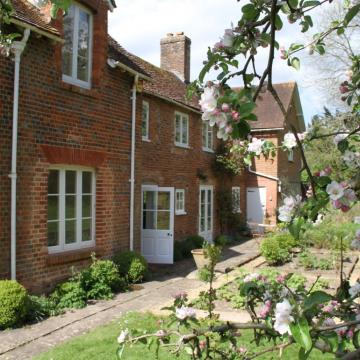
(175, 55)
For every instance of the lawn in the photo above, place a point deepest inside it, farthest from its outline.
(101, 344)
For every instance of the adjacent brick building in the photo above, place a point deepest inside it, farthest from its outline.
(77, 95)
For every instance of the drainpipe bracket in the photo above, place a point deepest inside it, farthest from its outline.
(12, 176)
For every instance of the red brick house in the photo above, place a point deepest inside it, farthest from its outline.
(105, 153)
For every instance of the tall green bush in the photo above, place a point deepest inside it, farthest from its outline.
(131, 265)
(13, 303)
(274, 252)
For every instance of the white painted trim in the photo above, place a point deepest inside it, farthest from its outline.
(147, 106)
(113, 64)
(206, 188)
(183, 117)
(267, 129)
(180, 211)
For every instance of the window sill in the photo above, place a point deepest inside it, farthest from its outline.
(146, 139)
(181, 213)
(183, 146)
(210, 151)
(70, 256)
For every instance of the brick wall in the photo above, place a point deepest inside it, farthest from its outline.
(61, 123)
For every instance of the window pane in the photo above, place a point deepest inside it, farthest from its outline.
(204, 135)
(53, 182)
(86, 182)
(208, 223)
(149, 200)
(149, 220)
(163, 200)
(70, 231)
(70, 206)
(86, 206)
(53, 208)
(178, 129)
(202, 224)
(185, 131)
(67, 48)
(163, 220)
(83, 46)
(53, 233)
(86, 230)
(210, 138)
(70, 182)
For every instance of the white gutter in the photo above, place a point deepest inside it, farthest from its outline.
(267, 129)
(113, 63)
(132, 176)
(266, 176)
(18, 47)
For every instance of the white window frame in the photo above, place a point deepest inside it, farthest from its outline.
(180, 211)
(291, 155)
(207, 131)
(73, 79)
(235, 191)
(62, 247)
(183, 118)
(147, 106)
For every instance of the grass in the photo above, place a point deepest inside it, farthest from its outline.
(101, 344)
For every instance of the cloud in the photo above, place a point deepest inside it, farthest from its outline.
(140, 24)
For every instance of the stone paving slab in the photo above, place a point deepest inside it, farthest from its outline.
(24, 343)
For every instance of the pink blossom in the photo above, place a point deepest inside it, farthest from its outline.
(228, 129)
(345, 208)
(326, 172)
(225, 107)
(283, 55)
(241, 350)
(202, 344)
(350, 194)
(235, 115)
(281, 278)
(180, 295)
(264, 312)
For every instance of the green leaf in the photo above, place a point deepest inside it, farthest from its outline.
(316, 298)
(246, 109)
(278, 22)
(304, 355)
(301, 333)
(322, 181)
(295, 227)
(343, 145)
(249, 11)
(351, 13)
(308, 19)
(340, 31)
(295, 63)
(310, 3)
(332, 339)
(293, 3)
(320, 49)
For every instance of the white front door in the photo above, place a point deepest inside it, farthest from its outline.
(255, 205)
(206, 212)
(157, 234)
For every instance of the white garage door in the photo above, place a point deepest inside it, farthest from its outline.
(255, 205)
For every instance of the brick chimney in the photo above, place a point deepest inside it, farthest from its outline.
(175, 55)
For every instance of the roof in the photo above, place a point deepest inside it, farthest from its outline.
(268, 111)
(30, 14)
(164, 83)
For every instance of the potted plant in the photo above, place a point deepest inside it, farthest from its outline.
(200, 257)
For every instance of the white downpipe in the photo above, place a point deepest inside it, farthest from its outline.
(18, 47)
(266, 176)
(132, 176)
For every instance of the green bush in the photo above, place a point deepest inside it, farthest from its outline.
(285, 240)
(222, 240)
(274, 252)
(13, 306)
(101, 280)
(40, 308)
(178, 250)
(191, 243)
(69, 295)
(131, 265)
(307, 260)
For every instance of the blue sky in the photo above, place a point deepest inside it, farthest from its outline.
(138, 25)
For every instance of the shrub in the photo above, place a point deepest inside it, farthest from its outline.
(40, 308)
(178, 250)
(69, 295)
(204, 274)
(131, 265)
(297, 282)
(14, 300)
(285, 240)
(307, 260)
(222, 240)
(274, 253)
(101, 280)
(191, 243)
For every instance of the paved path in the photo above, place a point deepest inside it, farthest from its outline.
(24, 343)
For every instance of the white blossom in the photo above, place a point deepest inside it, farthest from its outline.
(208, 101)
(356, 220)
(228, 38)
(289, 141)
(339, 137)
(285, 213)
(335, 190)
(123, 336)
(283, 317)
(354, 290)
(184, 312)
(255, 146)
(251, 277)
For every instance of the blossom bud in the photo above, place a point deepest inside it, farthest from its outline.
(202, 344)
(343, 88)
(225, 107)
